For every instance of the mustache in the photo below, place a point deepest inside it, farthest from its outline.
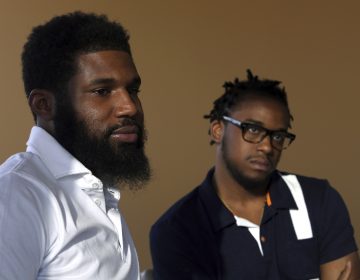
(126, 122)
(265, 159)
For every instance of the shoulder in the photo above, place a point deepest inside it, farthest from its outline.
(190, 209)
(25, 171)
(182, 242)
(26, 187)
(330, 220)
(322, 200)
(306, 180)
(23, 197)
(24, 164)
(14, 163)
(13, 172)
(324, 203)
(182, 210)
(315, 189)
(188, 217)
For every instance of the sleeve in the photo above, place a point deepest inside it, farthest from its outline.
(173, 255)
(21, 234)
(336, 232)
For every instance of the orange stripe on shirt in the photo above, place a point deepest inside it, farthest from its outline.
(268, 199)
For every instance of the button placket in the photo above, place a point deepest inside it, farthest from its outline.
(95, 191)
(115, 218)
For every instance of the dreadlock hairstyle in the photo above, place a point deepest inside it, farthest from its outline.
(239, 90)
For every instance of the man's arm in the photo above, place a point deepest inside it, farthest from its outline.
(20, 230)
(345, 268)
(338, 249)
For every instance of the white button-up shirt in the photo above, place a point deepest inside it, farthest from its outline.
(57, 220)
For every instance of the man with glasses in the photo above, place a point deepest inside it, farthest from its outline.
(248, 220)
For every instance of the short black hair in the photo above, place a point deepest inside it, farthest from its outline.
(48, 57)
(239, 90)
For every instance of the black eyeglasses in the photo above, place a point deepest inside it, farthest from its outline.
(253, 133)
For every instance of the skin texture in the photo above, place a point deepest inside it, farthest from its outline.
(242, 171)
(99, 119)
(347, 267)
(105, 90)
(90, 97)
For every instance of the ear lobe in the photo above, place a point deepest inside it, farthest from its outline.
(42, 104)
(216, 131)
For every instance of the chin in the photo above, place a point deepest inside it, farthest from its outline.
(253, 179)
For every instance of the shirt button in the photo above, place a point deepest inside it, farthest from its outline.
(95, 185)
(263, 239)
(98, 202)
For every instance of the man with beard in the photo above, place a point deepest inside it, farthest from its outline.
(59, 216)
(248, 220)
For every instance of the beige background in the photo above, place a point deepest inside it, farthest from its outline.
(184, 51)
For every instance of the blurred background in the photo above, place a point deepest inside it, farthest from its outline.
(184, 51)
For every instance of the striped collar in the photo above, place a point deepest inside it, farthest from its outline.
(279, 195)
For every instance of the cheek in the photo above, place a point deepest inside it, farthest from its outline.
(137, 103)
(140, 112)
(235, 148)
(94, 110)
(89, 107)
(236, 145)
(92, 120)
(90, 112)
(277, 156)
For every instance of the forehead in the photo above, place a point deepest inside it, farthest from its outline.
(106, 64)
(265, 111)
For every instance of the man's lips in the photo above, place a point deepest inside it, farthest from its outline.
(261, 164)
(126, 133)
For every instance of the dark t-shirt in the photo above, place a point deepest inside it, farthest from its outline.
(197, 238)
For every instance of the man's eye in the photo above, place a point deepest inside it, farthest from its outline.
(278, 137)
(134, 91)
(253, 129)
(101, 91)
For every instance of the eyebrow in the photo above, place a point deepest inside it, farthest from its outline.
(99, 81)
(110, 81)
(255, 122)
(136, 81)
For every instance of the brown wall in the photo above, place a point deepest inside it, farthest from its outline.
(184, 51)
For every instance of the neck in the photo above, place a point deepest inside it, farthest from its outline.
(241, 188)
(246, 201)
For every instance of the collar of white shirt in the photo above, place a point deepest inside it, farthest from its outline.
(65, 168)
(62, 164)
(59, 161)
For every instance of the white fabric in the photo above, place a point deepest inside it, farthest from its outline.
(55, 222)
(299, 217)
(254, 229)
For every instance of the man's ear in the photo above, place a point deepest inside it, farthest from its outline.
(216, 131)
(42, 104)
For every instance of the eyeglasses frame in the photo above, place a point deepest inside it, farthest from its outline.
(241, 126)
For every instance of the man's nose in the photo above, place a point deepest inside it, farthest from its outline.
(265, 145)
(125, 104)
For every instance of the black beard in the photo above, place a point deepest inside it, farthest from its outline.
(254, 186)
(119, 165)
